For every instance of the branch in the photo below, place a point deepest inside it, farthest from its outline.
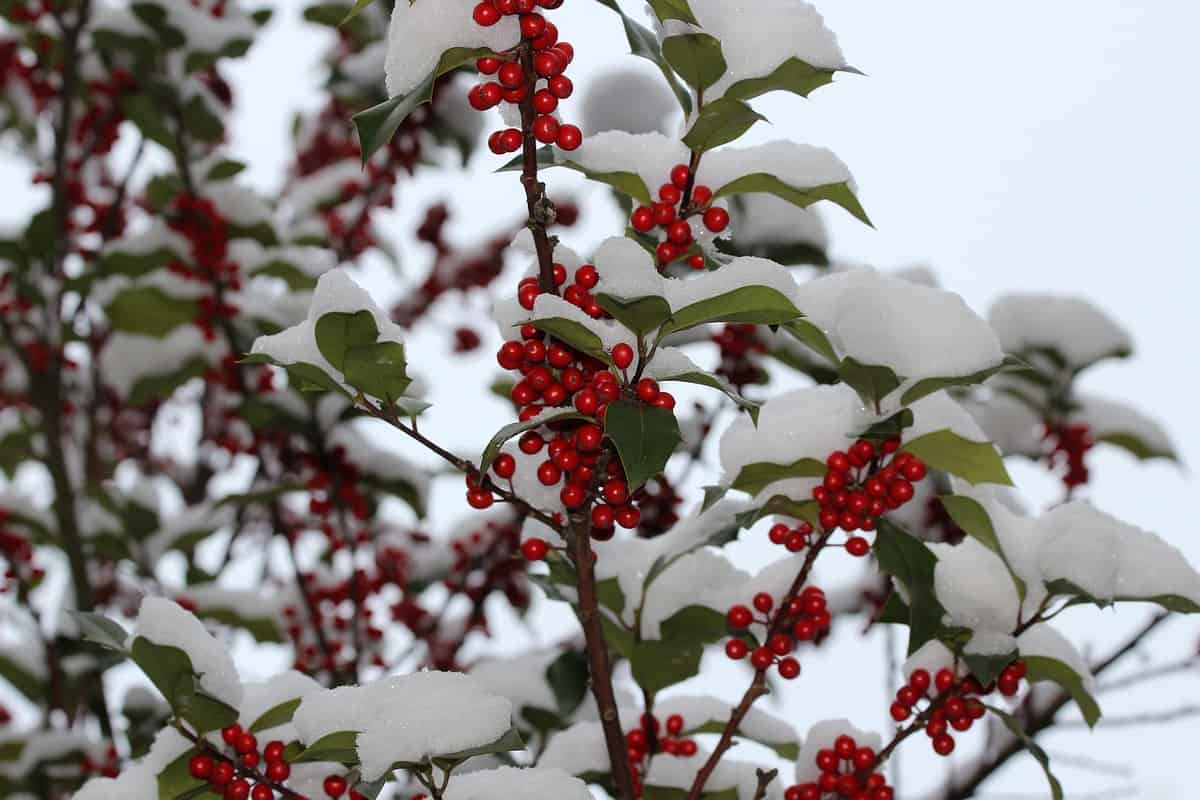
(598, 663)
(541, 210)
(1045, 718)
(758, 686)
(764, 780)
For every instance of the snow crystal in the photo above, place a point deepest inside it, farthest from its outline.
(647, 155)
(990, 643)
(262, 697)
(366, 67)
(1109, 559)
(164, 622)
(420, 33)
(139, 781)
(336, 292)
(521, 679)
(974, 586)
(1109, 418)
(407, 718)
(821, 736)
(606, 105)
(513, 782)
(805, 423)
(918, 331)
(1080, 331)
(580, 748)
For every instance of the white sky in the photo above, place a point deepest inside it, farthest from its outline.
(1022, 145)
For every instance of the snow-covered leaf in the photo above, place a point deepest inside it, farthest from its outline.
(802, 197)
(276, 715)
(100, 629)
(641, 315)
(969, 515)
(753, 478)
(872, 381)
(928, 386)
(659, 663)
(1044, 668)
(696, 57)
(572, 333)
(761, 305)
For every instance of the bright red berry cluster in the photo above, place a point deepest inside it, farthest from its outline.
(244, 771)
(860, 485)
(1069, 444)
(804, 618)
(648, 739)
(678, 201)
(847, 770)
(950, 703)
(539, 57)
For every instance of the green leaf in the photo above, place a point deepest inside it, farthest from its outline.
(100, 629)
(627, 183)
(149, 311)
(720, 122)
(225, 169)
(645, 438)
(357, 9)
(517, 428)
(721, 385)
(640, 315)
(793, 75)
(340, 331)
(974, 462)
(674, 658)
(969, 515)
(671, 793)
(644, 43)
(807, 510)
(276, 715)
(377, 125)
(986, 668)
(1171, 602)
(310, 378)
(507, 743)
(340, 747)
(1015, 728)
(378, 370)
(1137, 446)
(149, 117)
(838, 193)
(697, 57)
(1043, 668)
(873, 383)
(911, 562)
(568, 679)
(171, 672)
(812, 337)
(761, 305)
(673, 9)
(754, 478)
(930, 385)
(573, 333)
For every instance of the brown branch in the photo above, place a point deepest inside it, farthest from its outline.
(758, 686)
(764, 780)
(598, 663)
(1045, 718)
(540, 209)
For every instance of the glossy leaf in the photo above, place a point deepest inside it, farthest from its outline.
(754, 478)
(911, 562)
(645, 438)
(1136, 446)
(568, 679)
(930, 385)
(573, 333)
(673, 9)
(808, 334)
(793, 75)
(974, 462)
(969, 515)
(378, 369)
(721, 385)
(1042, 668)
(276, 715)
(761, 305)
(149, 311)
(697, 57)
(872, 382)
(838, 193)
(659, 663)
(627, 183)
(340, 747)
(641, 315)
(100, 629)
(340, 331)
(720, 122)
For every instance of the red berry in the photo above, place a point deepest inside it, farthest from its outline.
(642, 219)
(764, 602)
(664, 214)
(487, 65)
(334, 786)
(736, 649)
(549, 473)
(588, 437)
(561, 87)
(572, 496)
(603, 517)
(569, 137)
(780, 644)
(696, 261)
(900, 491)
(844, 746)
(533, 26)
(201, 767)
(761, 658)
(262, 792)
(716, 219)
(944, 680)
(278, 771)
(485, 14)
(680, 232)
(739, 617)
(230, 734)
(857, 546)
(531, 443)
(674, 724)
(919, 680)
(545, 129)
(647, 390)
(222, 774)
(900, 711)
(616, 492)
(666, 253)
(864, 758)
(789, 668)
(480, 499)
(827, 760)
(701, 195)
(669, 194)
(237, 790)
(245, 743)
(534, 549)
(943, 745)
(914, 470)
(680, 174)
(622, 356)
(628, 517)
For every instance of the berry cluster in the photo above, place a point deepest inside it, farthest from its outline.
(539, 57)
(236, 775)
(951, 703)
(555, 375)
(671, 213)
(803, 618)
(198, 220)
(646, 741)
(847, 770)
(1069, 444)
(739, 344)
(17, 552)
(859, 487)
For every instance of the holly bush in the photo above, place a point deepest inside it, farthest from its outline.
(213, 435)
